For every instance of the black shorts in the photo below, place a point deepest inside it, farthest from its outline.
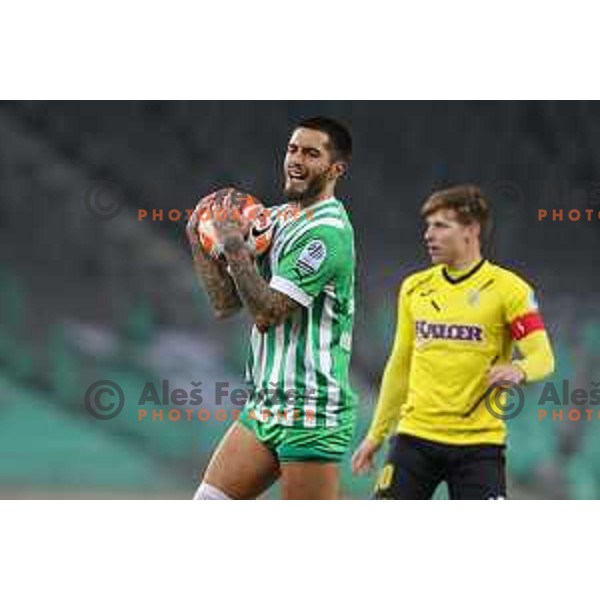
(415, 467)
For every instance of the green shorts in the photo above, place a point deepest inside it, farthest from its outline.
(297, 444)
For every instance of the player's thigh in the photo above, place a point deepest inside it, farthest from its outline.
(478, 473)
(412, 470)
(310, 480)
(310, 459)
(242, 467)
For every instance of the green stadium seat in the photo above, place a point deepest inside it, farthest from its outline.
(41, 447)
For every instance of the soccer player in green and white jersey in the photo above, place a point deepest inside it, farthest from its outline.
(299, 421)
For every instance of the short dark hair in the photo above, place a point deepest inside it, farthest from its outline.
(339, 135)
(467, 201)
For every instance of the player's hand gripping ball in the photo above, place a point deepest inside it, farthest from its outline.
(252, 217)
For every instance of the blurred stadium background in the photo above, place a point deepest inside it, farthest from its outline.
(89, 292)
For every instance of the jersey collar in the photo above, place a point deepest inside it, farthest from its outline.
(331, 199)
(470, 273)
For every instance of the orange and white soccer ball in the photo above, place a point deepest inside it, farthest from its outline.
(260, 230)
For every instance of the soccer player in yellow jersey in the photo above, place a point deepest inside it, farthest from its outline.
(457, 324)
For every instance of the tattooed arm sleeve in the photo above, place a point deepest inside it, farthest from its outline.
(218, 285)
(211, 275)
(268, 306)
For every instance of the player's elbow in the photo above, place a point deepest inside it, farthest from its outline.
(274, 313)
(540, 367)
(268, 318)
(543, 371)
(546, 362)
(550, 365)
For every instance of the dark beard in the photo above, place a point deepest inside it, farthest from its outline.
(314, 189)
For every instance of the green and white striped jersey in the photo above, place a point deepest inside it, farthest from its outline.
(300, 367)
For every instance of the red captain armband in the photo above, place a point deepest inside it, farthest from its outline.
(522, 326)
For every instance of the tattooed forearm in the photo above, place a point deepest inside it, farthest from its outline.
(218, 285)
(268, 306)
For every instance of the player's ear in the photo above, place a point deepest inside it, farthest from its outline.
(338, 169)
(474, 230)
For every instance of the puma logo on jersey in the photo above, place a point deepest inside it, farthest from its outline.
(443, 331)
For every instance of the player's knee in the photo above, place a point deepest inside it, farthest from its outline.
(210, 492)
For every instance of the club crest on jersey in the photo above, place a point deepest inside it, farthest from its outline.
(311, 257)
(442, 331)
(473, 297)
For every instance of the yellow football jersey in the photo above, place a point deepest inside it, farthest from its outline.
(451, 330)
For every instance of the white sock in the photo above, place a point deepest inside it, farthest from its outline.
(210, 492)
